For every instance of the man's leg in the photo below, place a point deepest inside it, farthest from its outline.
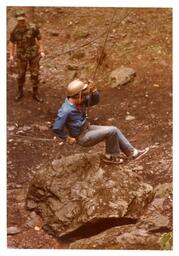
(114, 139)
(21, 68)
(124, 144)
(34, 70)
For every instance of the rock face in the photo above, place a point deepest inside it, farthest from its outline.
(79, 189)
(125, 237)
(121, 76)
(145, 234)
(157, 217)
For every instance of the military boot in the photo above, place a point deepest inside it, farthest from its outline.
(36, 95)
(20, 93)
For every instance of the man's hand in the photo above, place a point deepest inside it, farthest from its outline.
(42, 54)
(92, 86)
(11, 60)
(70, 140)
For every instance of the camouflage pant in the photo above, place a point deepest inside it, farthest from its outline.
(33, 68)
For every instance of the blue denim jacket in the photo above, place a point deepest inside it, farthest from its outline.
(71, 119)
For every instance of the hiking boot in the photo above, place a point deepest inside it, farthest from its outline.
(140, 153)
(37, 98)
(36, 95)
(19, 95)
(111, 159)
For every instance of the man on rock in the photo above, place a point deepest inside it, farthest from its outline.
(72, 125)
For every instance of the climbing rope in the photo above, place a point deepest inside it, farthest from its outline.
(106, 38)
(103, 47)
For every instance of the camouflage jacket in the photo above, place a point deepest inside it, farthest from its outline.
(26, 42)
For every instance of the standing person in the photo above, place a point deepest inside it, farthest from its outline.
(71, 125)
(26, 45)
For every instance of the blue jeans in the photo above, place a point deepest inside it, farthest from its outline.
(113, 137)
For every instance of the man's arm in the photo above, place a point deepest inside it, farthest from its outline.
(12, 52)
(59, 125)
(39, 41)
(92, 99)
(41, 49)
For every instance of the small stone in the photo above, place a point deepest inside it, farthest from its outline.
(123, 35)
(130, 118)
(18, 186)
(170, 123)
(11, 128)
(42, 128)
(156, 85)
(96, 119)
(54, 33)
(44, 154)
(111, 119)
(78, 55)
(20, 132)
(33, 214)
(13, 230)
(72, 67)
(138, 168)
(31, 204)
(37, 228)
(30, 224)
(48, 123)
(26, 128)
(20, 197)
(139, 57)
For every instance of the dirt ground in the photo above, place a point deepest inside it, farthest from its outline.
(142, 41)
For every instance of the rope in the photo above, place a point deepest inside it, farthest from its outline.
(98, 63)
(123, 18)
(26, 137)
(114, 13)
(89, 42)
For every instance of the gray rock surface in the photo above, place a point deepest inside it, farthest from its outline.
(158, 215)
(13, 230)
(145, 234)
(125, 237)
(121, 76)
(79, 189)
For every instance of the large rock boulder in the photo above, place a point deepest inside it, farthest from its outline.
(79, 189)
(121, 76)
(147, 233)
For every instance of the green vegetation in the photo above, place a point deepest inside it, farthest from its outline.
(166, 241)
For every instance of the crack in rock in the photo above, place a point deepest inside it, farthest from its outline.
(93, 228)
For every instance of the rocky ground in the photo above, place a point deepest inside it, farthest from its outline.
(139, 39)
